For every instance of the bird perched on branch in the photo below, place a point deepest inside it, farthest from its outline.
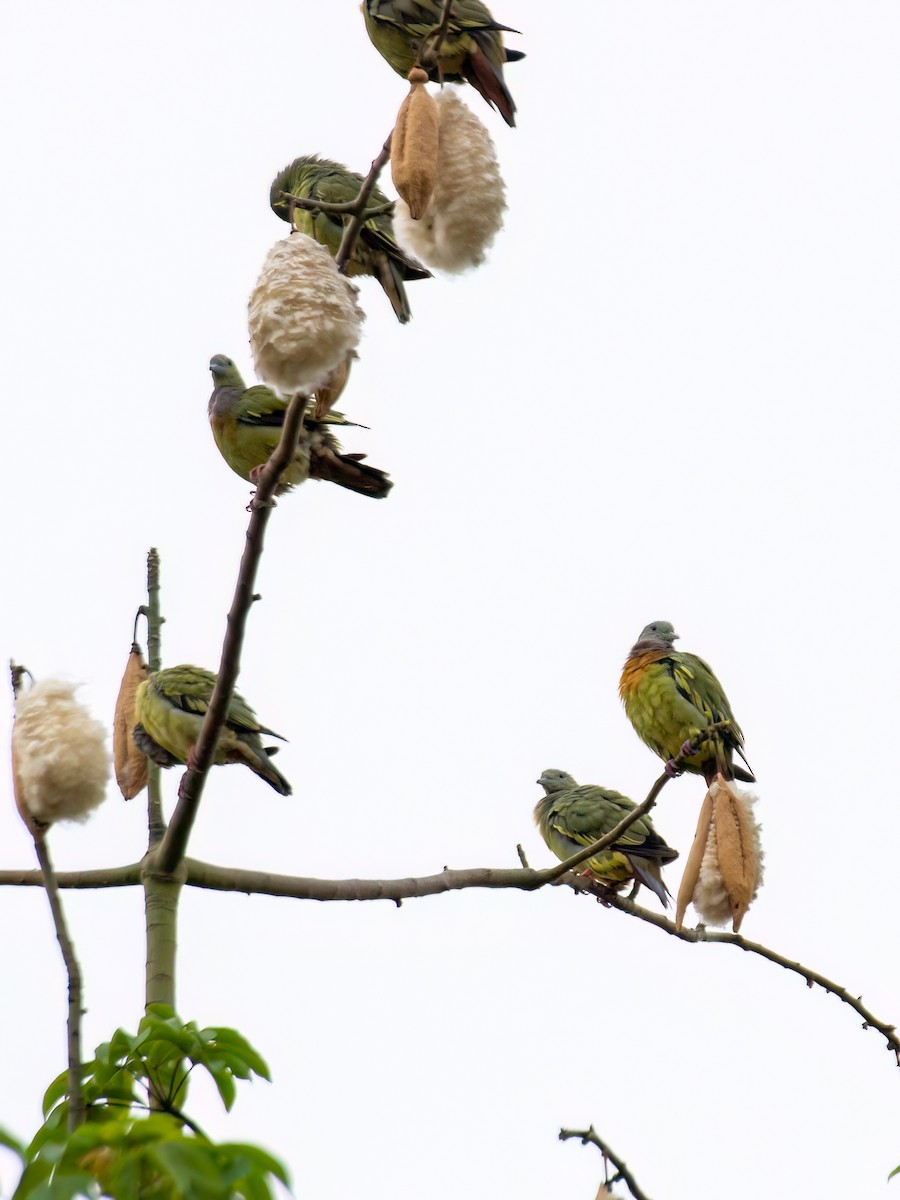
(472, 48)
(247, 422)
(169, 708)
(571, 817)
(376, 253)
(671, 697)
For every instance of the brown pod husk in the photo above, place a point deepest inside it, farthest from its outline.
(414, 146)
(34, 826)
(736, 845)
(328, 392)
(694, 859)
(129, 761)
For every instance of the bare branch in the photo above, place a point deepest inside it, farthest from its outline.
(354, 226)
(431, 43)
(74, 1088)
(174, 844)
(105, 877)
(590, 1135)
(351, 207)
(702, 934)
(155, 820)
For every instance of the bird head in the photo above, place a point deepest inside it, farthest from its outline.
(553, 780)
(659, 631)
(224, 372)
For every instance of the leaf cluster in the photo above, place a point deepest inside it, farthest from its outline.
(136, 1141)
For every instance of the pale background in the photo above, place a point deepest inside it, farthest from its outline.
(669, 394)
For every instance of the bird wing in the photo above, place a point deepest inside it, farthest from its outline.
(696, 682)
(261, 406)
(588, 813)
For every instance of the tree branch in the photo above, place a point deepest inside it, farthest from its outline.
(73, 1023)
(358, 206)
(590, 1135)
(155, 820)
(431, 43)
(351, 207)
(702, 934)
(174, 844)
(105, 877)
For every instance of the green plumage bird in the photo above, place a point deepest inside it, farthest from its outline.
(670, 697)
(169, 708)
(571, 817)
(247, 422)
(472, 49)
(376, 252)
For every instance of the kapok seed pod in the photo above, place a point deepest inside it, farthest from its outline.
(738, 858)
(328, 392)
(694, 858)
(414, 146)
(129, 761)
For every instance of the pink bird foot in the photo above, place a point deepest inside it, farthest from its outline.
(672, 769)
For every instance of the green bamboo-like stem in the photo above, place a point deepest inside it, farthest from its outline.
(155, 820)
(161, 892)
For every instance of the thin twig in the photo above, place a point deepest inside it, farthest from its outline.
(156, 821)
(430, 48)
(354, 226)
(351, 207)
(174, 844)
(74, 1089)
(590, 1135)
(702, 934)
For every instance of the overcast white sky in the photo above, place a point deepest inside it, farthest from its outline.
(670, 394)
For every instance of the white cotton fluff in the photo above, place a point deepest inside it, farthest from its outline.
(466, 209)
(711, 898)
(304, 319)
(61, 763)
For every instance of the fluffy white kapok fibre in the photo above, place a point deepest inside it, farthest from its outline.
(60, 759)
(466, 209)
(304, 319)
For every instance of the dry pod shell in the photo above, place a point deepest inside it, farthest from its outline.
(695, 857)
(414, 146)
(130, 762)
(722, 879)
(328, 392)
(303, 315)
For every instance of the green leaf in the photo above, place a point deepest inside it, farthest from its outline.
(896, 1171)
(190, 1166)
(261, 1159)
(11, 1143)
(55, 1091)
(224, 1081)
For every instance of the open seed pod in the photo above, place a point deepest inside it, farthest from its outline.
(414, 146)
(303, 316)
(466, 208)
(724, 869)
(60, 760)
(130, 762)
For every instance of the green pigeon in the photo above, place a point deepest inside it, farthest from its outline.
(472, 49)
(670, 697)
(246, 423)
(169, 708)
(571, 817)
(377, 252)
